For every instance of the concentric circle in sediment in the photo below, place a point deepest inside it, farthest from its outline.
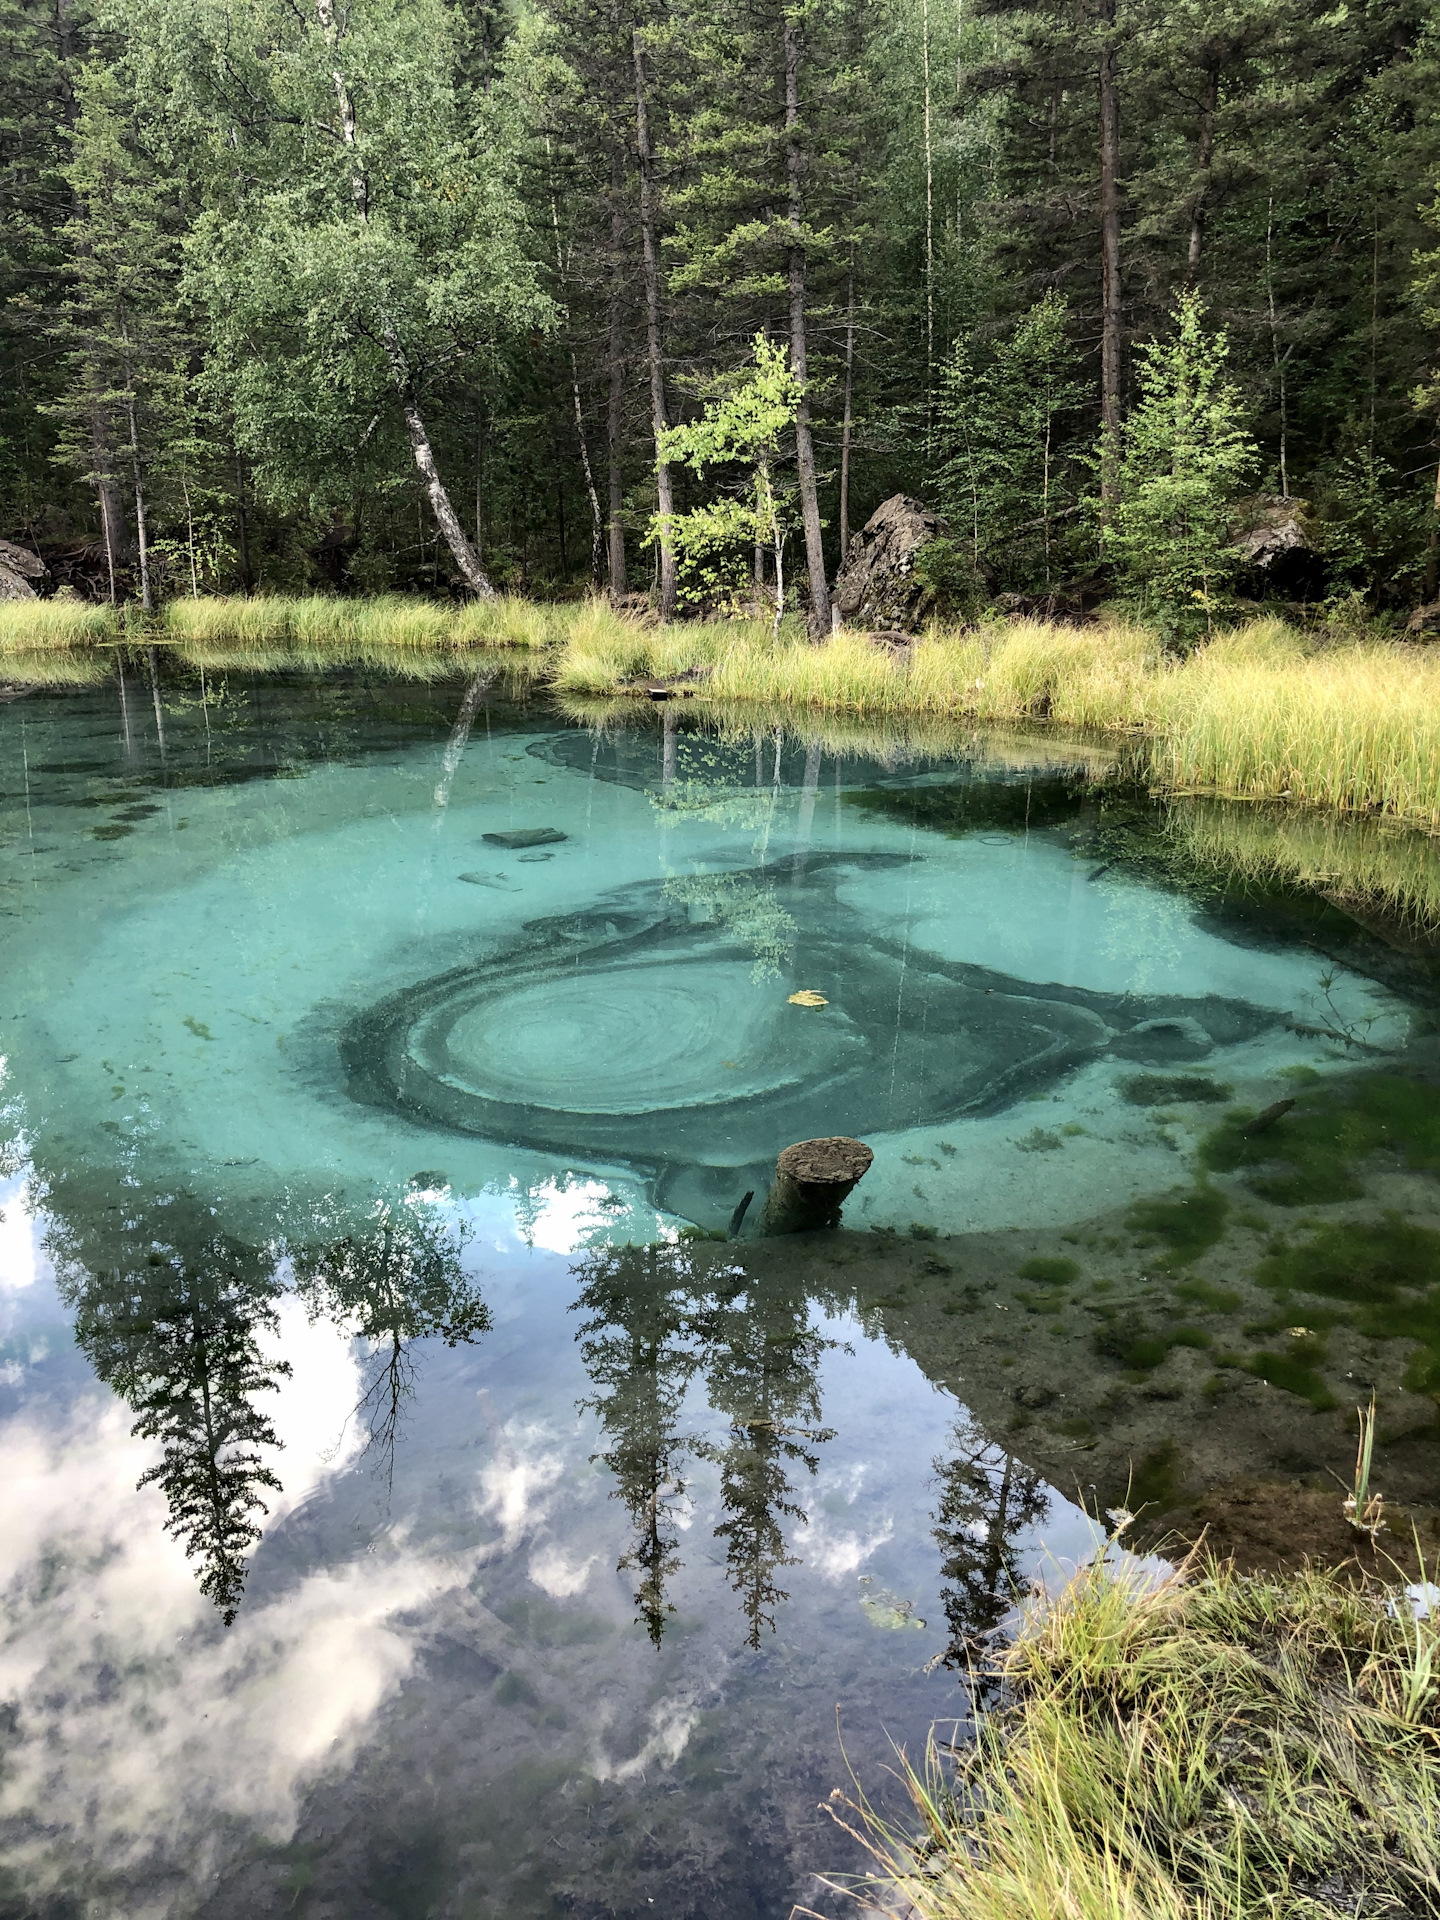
(634, 1039)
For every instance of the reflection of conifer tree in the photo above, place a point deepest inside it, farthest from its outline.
(762, 1362)
(175, 1325)
(987, 1499)
(396, 1280)
(639, 1349)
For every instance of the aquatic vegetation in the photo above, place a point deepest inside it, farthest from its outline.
(1137, 1348)
(1208, 1297)
(1189, 1225)
(1056, 1270)
(1309, 1155)
(1296, 1370)
(1175, 1089)
(1140, 1719)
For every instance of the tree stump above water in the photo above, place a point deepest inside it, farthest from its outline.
(812, 1179)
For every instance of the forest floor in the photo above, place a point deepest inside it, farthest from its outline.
(1216, 1745)
(1262, 710)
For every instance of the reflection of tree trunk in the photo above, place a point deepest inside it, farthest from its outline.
(1110, 313)
(1204, 148)
(650, 257)
(804, 441)
(809, 787)
(455, 746)
(155, 697)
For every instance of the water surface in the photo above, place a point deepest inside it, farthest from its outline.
(416, 1504)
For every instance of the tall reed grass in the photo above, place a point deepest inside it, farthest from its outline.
(1222, 1750)
(322, 623)
(30, 626)
(1257, 712)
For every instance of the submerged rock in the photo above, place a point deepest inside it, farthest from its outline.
(526, 837)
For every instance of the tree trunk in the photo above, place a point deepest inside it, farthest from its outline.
(650, 259)
(597, 523)
(615, 374)
(463, 554)
(1204, 149)
(1110, 311)
(804, 442)
(132, 420)
(242, 528)
(846, 425)
(107, 493)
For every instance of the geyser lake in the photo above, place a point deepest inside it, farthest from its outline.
(414, 1503)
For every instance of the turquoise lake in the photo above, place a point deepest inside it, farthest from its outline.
(416, 1504)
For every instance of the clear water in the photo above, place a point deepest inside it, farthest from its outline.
(383, 1067)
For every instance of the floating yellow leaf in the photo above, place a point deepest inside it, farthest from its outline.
(806, 998)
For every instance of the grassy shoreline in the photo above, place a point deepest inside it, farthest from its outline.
(1261, 712)
(1217, 1747)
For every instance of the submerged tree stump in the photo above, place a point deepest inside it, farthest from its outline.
(812, 1179)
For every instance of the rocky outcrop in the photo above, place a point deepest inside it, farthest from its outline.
(1424, 622)
(877, 587)
(1277, 544)
(18, 567)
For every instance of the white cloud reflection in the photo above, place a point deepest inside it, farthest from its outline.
(147, 1731)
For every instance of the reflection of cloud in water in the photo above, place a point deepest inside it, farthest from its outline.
(555, 1573)
(17, 1239)
(670, 1723)
(834, 1552)
(106, 1636)
(515, 1485)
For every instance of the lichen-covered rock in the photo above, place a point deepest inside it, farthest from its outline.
(1277, 543)
(18, 567)
(877, 586)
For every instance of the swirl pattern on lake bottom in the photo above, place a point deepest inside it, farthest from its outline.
(656, 1029)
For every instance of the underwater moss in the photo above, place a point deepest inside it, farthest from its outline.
(1139, 1350)
(1055, 1272)
(1190, 1224)
(1163, 1090)
(1155, 1478)
(1367, 1263)
(1307, 1157)
(1295, 1372)
(1204, 1294)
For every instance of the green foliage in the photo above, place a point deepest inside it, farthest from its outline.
(745, 428)
(1186, 457)
(1009, 472)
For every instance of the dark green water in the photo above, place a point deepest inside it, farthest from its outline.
(376, 1059)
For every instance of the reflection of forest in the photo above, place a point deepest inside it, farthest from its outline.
(658, 1318)
(178, 1318)
(987, 1500)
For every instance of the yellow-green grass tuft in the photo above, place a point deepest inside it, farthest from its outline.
(30, 626)
(1221, 1748)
